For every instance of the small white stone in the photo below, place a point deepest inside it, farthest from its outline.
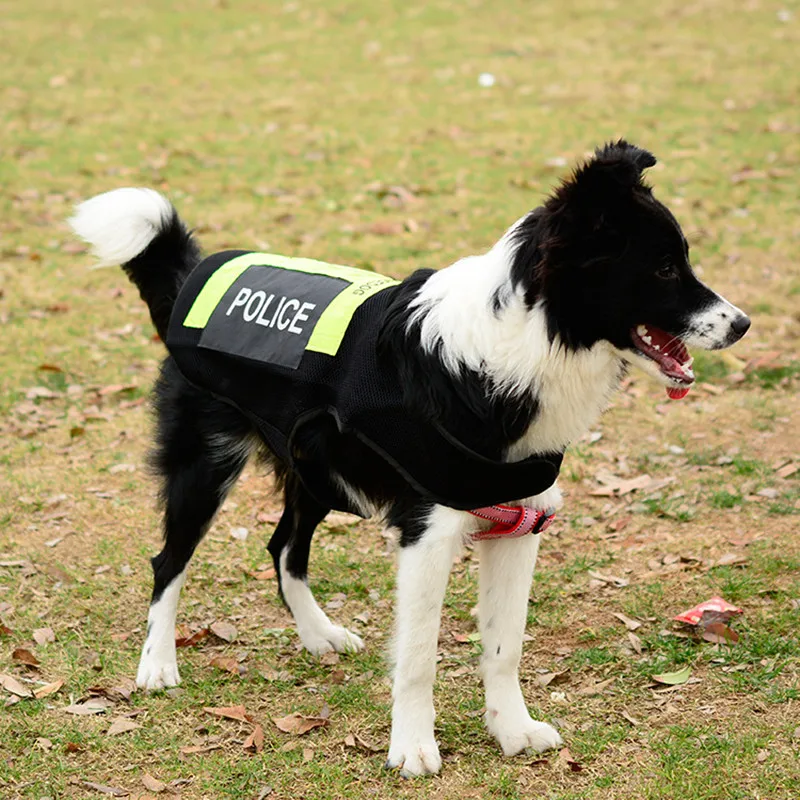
(486, 79)
(239, 533)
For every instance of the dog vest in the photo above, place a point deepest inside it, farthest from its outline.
(288, 339)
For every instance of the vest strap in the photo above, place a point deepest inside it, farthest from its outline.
(511, 522)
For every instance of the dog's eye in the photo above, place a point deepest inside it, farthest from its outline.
(666, 272)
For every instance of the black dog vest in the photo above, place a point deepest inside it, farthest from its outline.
(287, 339)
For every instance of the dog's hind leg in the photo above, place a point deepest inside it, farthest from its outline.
(202, 447)
(506, 570)
(290, 546)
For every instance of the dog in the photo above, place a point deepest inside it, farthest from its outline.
(491, 366)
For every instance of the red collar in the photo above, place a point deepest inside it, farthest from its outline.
(511, 522)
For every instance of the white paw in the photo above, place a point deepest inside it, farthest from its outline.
(521, 734)
(415, 757)
(331, 638)
(157, 671)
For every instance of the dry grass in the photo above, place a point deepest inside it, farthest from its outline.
(272, 127)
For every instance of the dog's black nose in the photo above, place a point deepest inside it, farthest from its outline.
(741, 325)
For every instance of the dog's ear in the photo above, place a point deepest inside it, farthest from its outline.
(594, 197)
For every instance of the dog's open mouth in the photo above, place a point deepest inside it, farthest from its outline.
(669, 353)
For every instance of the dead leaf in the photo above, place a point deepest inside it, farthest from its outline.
(553, 678)
(789, 469)
(48, 689)
(298, 724)
(620, 486)
(731, 560)
(613, 579)
(566, 761)
(229, 712)
(95, 705)
(25, 657)
(719, 633)
(114, 791)
(385, 228)
(11, 684)
(630, 624)
(635, 642)
(633, 721)
(224, 630)
(153, 784)
(5, 630)
(308, 754)
(255, 741)
(184, 637)
(273, 517)
(228, 664)
(262, 575)
(597, 688)
(121, 725)
(205, 748)
(121, 690)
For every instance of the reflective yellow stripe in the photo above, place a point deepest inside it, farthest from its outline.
(332, 325)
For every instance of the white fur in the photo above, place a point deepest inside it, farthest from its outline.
(317, 633)
(119, 225)
(423, 570)
(158, 665)
(711, 328)
(506, 571)
(512, 347)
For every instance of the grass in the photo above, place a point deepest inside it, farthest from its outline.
(282, 127)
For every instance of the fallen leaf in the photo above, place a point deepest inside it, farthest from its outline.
(719, 633)
(229, 712)
(184, 638)
(298, 724)
(385, 228)
(263, 575)
(121, 690)
(228, 664)
(206, 748)
(308, 754)
(630, 624)
(95, 705)
(762, 756)
(597, 688)
(673, 678)
(48, 689)
(255, 741)
(620, 486)
(635, 642)
(566, 761)
(5, 630)
(121, 725)
(11, 684)
(731, 560)
(25, 657)
(633, 721)
(153, 784)
(613, 579)
(114, 791)
(224, 630)
(273, 517)
(789, 469)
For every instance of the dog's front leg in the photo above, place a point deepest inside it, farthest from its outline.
(506, 571)
(423, 569)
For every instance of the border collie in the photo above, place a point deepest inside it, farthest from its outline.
(517, 350)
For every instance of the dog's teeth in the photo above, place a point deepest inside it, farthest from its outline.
(655, 346)
(649, 340)
(689, 363)
(642, 331)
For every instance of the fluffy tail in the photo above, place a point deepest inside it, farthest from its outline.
(140, 230)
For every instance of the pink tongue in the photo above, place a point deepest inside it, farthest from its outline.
(676, 394)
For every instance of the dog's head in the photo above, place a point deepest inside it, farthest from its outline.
(610, 262)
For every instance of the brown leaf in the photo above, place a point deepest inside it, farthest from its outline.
(308, 754)
(385, 228)
(184, 637)
(273, 517)
(229, 712)
(255, 741)
(205, 748)
(114, 791)
(731, 560)
(121, 725)
(44, 635)
(5, 630)
(121, 690)
(116, 388)
(224, 630)
(263, 575)
(597, 688)
(95, 705)
(48, 689)
(635, 642)
(719, 633)
(25, 657)
(228, 664)
(566, 761)
(11, 684)
(298, 724)
(630, 624)
(789, 469)
(153, 784)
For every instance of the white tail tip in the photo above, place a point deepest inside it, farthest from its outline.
(119, 225)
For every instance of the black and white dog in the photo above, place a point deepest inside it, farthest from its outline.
(524, 344)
